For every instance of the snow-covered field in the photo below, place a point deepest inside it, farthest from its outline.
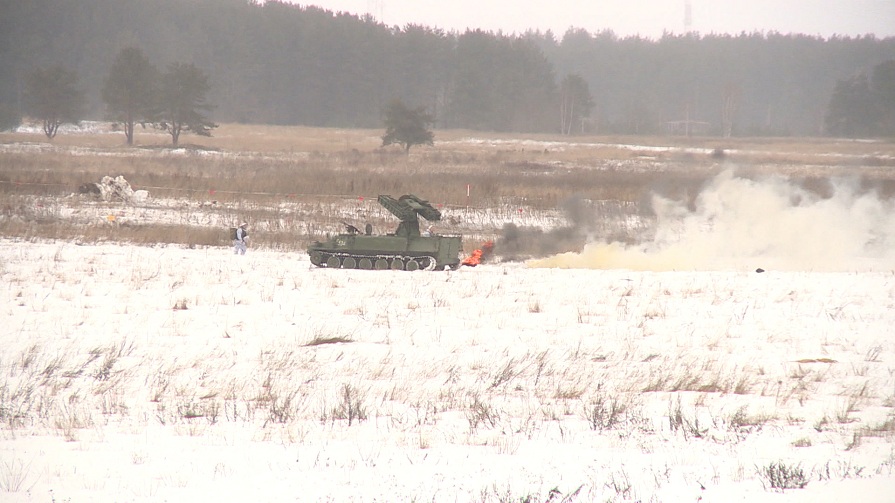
(168, 374)
(664, 371)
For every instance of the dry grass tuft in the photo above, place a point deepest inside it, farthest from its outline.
(320, 340)
(253, 171)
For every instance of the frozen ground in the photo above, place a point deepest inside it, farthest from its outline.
(168, 374)
(665, 371)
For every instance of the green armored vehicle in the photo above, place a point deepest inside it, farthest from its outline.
(405, 249)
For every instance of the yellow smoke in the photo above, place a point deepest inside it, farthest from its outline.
(745, 224)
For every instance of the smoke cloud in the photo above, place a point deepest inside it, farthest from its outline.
(743, 224)
(524, 242)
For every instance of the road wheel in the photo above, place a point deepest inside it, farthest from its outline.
(412, 265)
(333, 263)
(349, 263)
(397, 264)
(365, 264)
(381, 264)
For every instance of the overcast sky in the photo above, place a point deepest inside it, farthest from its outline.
(628, 17)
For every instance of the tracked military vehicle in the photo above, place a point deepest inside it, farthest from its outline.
(405, 249)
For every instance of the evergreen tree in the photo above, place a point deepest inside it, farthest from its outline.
(52, 96)
(407, 127)
(129, 90)
(280, 62)
(182, 101)
(9, 117)
(474, 102)
(883, 84)
(851, 112)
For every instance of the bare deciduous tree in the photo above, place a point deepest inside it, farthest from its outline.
(729, 107)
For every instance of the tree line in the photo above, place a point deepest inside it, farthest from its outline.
(134, 92)
(280, 63)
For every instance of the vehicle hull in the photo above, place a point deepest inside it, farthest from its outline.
(357, 251)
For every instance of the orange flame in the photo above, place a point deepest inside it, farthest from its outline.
(474, 259)
(478, 256)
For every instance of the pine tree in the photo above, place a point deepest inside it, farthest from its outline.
(52, 95)
(851, 112)
(182, 101)
(883, 84)
(407, 127)
(129, 90)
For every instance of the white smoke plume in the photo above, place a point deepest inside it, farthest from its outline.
(743, 224)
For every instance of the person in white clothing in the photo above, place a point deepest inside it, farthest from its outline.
(239, 244)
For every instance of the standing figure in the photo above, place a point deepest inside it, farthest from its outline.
(239, 241)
